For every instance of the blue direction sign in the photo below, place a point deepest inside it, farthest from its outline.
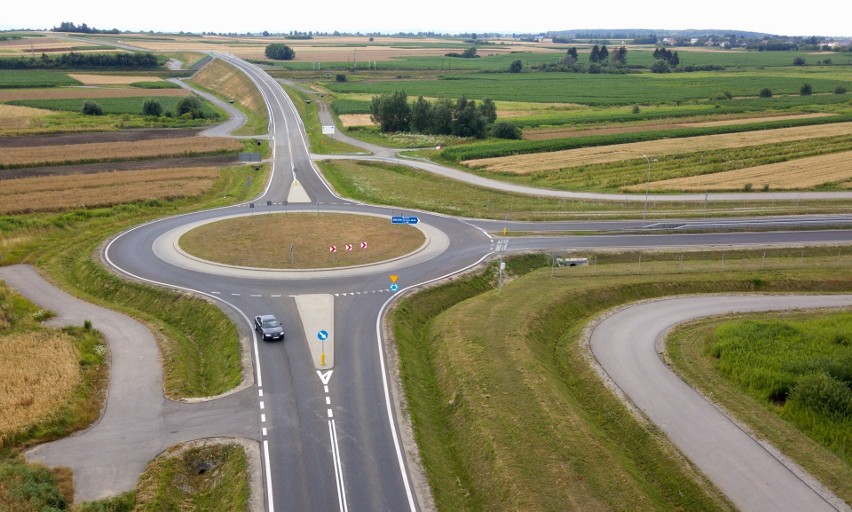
(412, 220)
(322, 335)
(398, 220)
(394, 287)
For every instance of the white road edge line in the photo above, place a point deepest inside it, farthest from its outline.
(268, 475)
(338, 468)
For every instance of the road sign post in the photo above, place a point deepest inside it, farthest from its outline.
(322, 336)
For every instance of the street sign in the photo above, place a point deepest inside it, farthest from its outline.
(251, 205)
(412, 220)
(393, 278)
(328, 130)
(322, 335)
(332, 248)
(398, 220)
(363, 245)
(394, 287)
(348, 247)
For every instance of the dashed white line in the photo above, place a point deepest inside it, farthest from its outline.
(256, 295)
(328, 400)
(259, 392)
(262, 406)
(276, 296)
(330, 414)
(263, 418)
(216, 293)
(326, 389)
(264, 431)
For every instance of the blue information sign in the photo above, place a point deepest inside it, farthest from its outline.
(398, 220)
(394, 287)
(322, 335)
(412, 220)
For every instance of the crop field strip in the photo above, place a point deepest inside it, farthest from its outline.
(153, 148)
(7, 95)
(804, 173)
(536, 162)
(56, 193)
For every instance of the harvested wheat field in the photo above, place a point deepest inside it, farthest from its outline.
(112, 79)
(534, 162)
(803, 173)
(54, 193)
(38, 372)
(220, 76)
(12, 116)
(64, 93)
(152, 148)
(350, 120)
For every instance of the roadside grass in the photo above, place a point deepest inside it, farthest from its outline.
(187, 478)
(690, 351)
(405, 187)
(225, 81)
(508, 413)
(128, 105)
(301, 240)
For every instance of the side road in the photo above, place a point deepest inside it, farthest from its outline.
(138, 422)
(750, 472)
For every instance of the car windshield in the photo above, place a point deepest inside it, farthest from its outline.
(271, 322)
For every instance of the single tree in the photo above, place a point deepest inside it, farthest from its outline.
(441, 120)
(391, 112)
(340, 77)
(603, 54)
(766, 92)
(469, 53)
(488, 110)
(421, 112)
(505, 130)
(516, 66)
(190, 107)
(90, 108)
(278, 51)
(619, 56)
(799, 61)
(594, 56)
(806, 90)
(152, 108)
(840, 90)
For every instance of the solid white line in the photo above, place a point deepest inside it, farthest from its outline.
(268, 475)
(338, 468)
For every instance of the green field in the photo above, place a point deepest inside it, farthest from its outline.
(132, 105)
(602, 89)
(24, 79)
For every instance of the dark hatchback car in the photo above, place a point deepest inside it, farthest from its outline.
(268, 327)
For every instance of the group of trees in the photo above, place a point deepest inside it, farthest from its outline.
(464, 118)
(600, 61)
(77, 60)
(67, 26)
(189, 107)
(469, 53)
(278, 51)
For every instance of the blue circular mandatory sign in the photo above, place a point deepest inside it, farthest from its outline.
(394, 287)
(322, 335)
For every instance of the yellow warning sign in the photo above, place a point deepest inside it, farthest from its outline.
(394, 278)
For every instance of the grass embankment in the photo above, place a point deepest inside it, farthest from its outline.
(508, 413)
(405, 187)
(301, 240)
(786, 376)
(228, 83)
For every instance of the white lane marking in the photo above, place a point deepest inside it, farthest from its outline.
(328, 400)
(256, 295)
(259, 392)
(338, 469)
(325, 377)
(263, 418)
(330, 414)
(262, 406)
(326, 389)
(276, 296)
(264, 431)
(268, 475)
(216, 293)
(235, 295)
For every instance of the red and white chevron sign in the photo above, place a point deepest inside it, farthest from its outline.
(363, 245)
(348, 247)
(332, 248)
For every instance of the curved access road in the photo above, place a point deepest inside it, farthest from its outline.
(627, 345)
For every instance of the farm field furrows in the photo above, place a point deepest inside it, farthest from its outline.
(64, 93)
(537, 162)
(55, 193)
(805, 173)
(31, 156)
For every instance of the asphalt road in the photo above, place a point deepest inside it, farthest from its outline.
(330, 438)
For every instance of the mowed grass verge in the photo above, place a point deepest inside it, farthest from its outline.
(509, 414)
(224, 80)
(773, 372)
(301, 240)
(405, 187)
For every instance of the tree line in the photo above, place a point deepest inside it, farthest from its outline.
(84, 60)
(67, 26)
(463, 118)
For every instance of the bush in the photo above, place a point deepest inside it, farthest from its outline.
(90, 108)
(798, 61)
(505, 130)
(840, 90)
(819, 392)
(747, 187)
(636, 109)
(278, 51)
(340, 77)
(766, 92)
(190, 107)
(806, 90)
(660, 66)
(152, 108)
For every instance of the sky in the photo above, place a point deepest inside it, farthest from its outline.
(443, 16)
